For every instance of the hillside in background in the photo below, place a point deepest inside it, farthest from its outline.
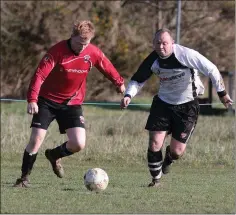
(124, 31)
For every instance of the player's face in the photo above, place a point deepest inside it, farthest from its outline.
(163, 44)
(78, 44)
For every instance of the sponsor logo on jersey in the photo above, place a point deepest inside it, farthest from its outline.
(76, 70)
(172, 77)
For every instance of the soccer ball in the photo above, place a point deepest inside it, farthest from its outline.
(96, 179)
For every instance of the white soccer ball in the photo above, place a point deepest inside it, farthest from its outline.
(96, 179)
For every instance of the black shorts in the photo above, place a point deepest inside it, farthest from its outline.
(180, 120)
(67, 116)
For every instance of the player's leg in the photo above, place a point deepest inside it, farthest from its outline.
(158, 124)
(40, 123)
(29, 156)
(71, 122)
(184, 122)
(154, 155)
(173, 152)
(76, 139)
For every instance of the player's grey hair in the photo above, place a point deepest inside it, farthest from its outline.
(161, 31)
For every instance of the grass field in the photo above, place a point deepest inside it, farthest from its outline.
(203, 181)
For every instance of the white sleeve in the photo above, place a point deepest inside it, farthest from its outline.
(200, 87)
(133, 88)
(195, 60)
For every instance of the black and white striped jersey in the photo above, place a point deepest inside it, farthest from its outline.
(179, 78)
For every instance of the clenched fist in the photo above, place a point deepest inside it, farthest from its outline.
(226, 100)
(121, 89)
(125, 102)
(32, 108)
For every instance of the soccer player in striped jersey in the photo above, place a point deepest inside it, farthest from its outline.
(57, 91)
(175, 107)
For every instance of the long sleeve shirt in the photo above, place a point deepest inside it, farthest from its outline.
(178, 74)
(61, 74)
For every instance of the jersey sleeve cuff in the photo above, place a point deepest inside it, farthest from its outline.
(32, 100)
(119, 82)
(127, 95)
(221, 93)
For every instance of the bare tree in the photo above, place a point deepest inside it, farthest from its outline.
(124, 31)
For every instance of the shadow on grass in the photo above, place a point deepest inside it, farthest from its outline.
(68, 189)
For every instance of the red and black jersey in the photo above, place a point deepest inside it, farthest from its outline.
(61, 74)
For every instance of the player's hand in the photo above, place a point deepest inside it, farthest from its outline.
(121, 89)
(125, 102)
(32, 108)
(226, 100)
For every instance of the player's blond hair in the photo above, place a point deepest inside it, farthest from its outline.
(85, 29)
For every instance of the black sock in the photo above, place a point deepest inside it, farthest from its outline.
(154, 163)
(27, 163)
(60, 151)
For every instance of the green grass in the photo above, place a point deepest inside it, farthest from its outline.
(184, 190)
(202, 181)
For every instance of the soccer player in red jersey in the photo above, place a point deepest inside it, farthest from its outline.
(57, 91)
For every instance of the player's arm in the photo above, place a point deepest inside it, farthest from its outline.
(42, 71)
(194, 59)
(104, 65)
(138, 80)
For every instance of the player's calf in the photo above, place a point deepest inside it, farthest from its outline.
(26, 168)
(168, 160)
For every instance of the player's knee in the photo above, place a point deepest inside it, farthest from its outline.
(36, 140)
(77, 145)
(81, 145)
(34, 144)
(154, 145)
